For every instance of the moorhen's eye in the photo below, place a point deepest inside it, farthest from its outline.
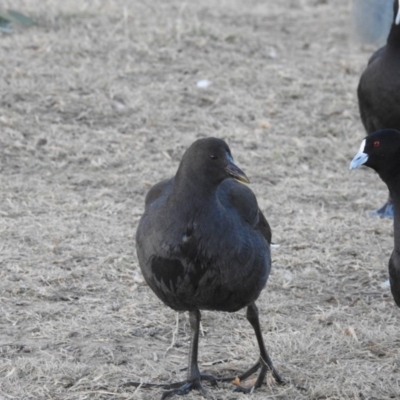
(376, 143)
(213, 157)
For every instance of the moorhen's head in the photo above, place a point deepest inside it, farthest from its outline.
(210, 159)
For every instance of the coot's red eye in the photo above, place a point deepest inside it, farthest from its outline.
(376, 143)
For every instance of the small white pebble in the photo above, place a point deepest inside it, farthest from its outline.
(204, 83)
(272, 53)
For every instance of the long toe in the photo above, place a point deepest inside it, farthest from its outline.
(184, 389)
(210, 378)
(250, 371)
(278, 379)
(235, 378)
(260, 379)
(241, 389)
(188, 387)
(257, 384)
(256, 367)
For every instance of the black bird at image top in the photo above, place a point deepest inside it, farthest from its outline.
(381, 152)
(203, 244)
(379, 91)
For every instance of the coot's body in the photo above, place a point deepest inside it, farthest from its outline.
(379, 90)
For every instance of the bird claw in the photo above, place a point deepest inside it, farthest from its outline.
(189, 386)
(260, 364)
(210, 378)
(241, 389)
(184, 389)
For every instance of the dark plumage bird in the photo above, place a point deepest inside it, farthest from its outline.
(381, 152)
(203, 244)
(379, 90)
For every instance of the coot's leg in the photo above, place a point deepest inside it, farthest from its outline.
(386, 211)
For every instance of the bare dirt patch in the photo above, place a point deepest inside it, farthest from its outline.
(97, 103)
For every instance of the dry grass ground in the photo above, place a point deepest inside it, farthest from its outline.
(98, 102)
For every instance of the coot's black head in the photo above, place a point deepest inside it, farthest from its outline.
(381, 152)
(210, 159)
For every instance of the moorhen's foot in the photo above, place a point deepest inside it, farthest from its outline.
(386, 211)
(189, 386)
(210, 378)
(176, 385)
(268, 367)
(264, 369)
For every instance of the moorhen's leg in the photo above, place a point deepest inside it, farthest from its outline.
(194, 377)
(265, 362)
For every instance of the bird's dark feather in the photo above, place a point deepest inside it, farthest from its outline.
(379, 88)
(213, 256)
(203, 244)
(394, 277)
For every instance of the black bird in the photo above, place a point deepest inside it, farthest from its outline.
(379, 91)
(381, 152)
(203, 244)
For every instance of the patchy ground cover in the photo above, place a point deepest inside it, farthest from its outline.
(98, 102)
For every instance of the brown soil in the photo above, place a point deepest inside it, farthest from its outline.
(98, 102)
